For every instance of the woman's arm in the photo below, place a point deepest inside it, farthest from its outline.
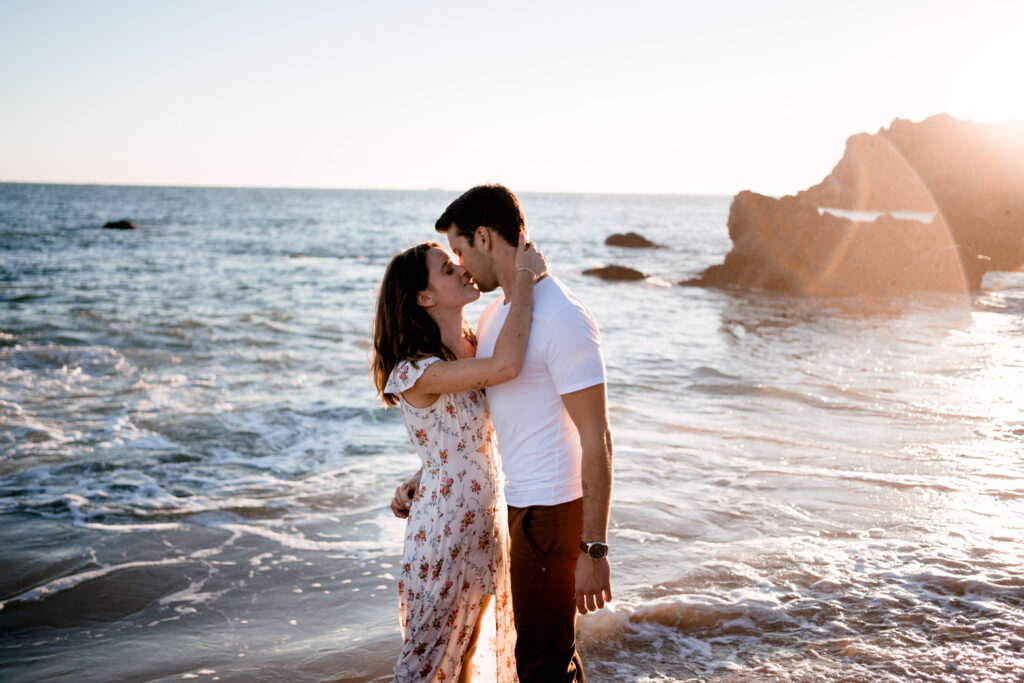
(509, 349)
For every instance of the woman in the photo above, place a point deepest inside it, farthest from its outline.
(455, 555)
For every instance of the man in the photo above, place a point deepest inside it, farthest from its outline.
(553, 436)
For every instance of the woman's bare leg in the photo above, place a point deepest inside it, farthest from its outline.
(466, 673)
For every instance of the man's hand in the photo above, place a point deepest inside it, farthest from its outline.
(593, 583)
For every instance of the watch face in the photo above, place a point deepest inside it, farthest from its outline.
(596, 551)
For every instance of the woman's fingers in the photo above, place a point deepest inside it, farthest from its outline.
(531, 258)
(535, 261)
(402, 501)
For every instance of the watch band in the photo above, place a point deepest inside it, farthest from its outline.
(595, 550)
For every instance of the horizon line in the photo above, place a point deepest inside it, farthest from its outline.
(356, 189)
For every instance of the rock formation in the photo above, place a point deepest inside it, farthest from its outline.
(123, 224)
(632, 240)
(971, 176)
(614, 272)
(787, 245)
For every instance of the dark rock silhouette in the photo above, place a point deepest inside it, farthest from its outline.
(970, 175)
(632, 240)
(614, 272)
(123, 224)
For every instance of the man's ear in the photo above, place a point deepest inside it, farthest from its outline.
(424, 299)
(483, 235)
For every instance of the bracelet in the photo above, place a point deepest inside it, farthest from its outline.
(528, 270)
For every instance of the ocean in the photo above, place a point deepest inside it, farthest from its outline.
(195, 474)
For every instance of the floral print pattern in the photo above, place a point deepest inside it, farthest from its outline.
(456, 541)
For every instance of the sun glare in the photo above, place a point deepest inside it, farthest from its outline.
(986, 88)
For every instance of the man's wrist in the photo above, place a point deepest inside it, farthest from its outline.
(595, 550)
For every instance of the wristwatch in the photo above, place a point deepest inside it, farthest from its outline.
(595, 550)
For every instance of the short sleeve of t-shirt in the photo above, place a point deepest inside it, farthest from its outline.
(574, 350)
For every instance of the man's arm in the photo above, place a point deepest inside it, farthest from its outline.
(588, 410)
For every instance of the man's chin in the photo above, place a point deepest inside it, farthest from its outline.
(484, 285)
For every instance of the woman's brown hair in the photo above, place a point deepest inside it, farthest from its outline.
(402, 330)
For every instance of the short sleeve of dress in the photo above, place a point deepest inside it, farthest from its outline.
(406, 373)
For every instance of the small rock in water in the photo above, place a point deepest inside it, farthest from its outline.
(632, 240)
(123, 224)
(614, 272)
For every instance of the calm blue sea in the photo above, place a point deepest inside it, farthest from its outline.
(194, 473)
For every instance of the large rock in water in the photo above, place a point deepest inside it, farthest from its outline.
(970, 175)
(787, 245)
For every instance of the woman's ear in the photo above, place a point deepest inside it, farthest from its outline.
(424, 299)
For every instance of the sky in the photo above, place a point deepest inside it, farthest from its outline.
(640, 97)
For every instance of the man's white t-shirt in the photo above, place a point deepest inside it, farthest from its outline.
(539, 445)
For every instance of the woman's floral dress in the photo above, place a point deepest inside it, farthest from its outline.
(456, 541)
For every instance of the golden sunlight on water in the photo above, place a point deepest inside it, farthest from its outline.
(843, 498)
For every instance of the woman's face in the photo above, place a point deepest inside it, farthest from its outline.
(448, 284)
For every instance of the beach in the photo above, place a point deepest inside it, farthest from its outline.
(195, 472)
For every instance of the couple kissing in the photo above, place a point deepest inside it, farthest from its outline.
(507, 519)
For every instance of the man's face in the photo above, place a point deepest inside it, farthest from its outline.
(474, 259)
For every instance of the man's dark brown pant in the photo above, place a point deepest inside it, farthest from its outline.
(545, 543)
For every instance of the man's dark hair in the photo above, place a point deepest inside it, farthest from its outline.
(493, 206)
